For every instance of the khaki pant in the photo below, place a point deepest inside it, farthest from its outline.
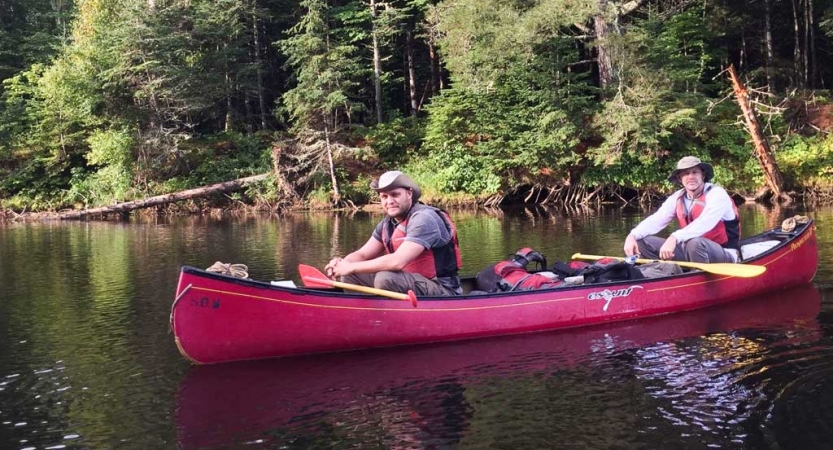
(399, 282)
(699, 250)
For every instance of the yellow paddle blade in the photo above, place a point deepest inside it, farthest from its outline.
(730, 269)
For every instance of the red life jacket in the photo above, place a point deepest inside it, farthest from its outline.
(725, 233)
(511, 275)
(441, 262)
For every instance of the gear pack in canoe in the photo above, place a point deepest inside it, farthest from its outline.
(513, 275)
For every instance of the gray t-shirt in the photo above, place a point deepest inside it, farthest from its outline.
(425, 227)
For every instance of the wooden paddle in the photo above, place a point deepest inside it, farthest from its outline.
(313, 277)
(731, 269)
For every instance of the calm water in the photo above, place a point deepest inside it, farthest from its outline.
(87, 361)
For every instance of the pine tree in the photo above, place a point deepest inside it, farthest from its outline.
(322, 101)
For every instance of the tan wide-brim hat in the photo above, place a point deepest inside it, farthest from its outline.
(687, 163)
(393, 180)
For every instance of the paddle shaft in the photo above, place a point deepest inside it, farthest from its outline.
(360, 288)
(312, 275)
(731, 269)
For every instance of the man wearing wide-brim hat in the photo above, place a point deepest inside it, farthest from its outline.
(413, 248)
(709, 223)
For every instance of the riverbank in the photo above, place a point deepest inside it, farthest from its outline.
(523, 196)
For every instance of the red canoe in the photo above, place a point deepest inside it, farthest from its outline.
(222, 404)
(217, 318)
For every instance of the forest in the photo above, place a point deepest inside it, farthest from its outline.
(483, 102)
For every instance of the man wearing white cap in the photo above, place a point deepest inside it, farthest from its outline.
(709, 222)
(414, 248)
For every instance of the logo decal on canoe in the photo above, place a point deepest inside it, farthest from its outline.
(800, 242)
(607, 295)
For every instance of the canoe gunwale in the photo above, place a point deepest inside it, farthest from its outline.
(785, 238)
(227, 318)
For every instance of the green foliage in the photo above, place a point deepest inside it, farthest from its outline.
(393, 141)
(112, 180)
(104, 100)
(484, 39)
(110, 148)
(679, 48)
(826, 23)
(325, 69)
(807, 161)
(229, 156)
(663, 109)
(481, 142)
(30, 31)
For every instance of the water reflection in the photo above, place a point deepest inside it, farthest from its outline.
(87, 361)
(704, 373)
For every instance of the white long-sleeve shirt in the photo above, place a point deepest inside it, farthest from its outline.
(718, 207)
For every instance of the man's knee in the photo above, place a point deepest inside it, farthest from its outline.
(703, 250)
(649, 246)
(386, 280)
(695, 244)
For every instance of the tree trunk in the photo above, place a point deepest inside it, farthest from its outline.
(258, 63)
(797, 45)
(812, 49)
(774, 179)
(602, 52)
(227, 126)
(336, 193)
(806, 45)
(435, 72)
(743, 51)
(247, 105)
(600, 24)
(770, 58)
(187, 194)
(377, 65)
(409, 47)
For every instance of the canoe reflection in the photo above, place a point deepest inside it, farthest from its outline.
(236, 404)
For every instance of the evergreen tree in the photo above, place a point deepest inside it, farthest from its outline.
(322, 101)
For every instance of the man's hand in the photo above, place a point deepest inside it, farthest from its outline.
(330, 268)
(631, 246)
(667, 250)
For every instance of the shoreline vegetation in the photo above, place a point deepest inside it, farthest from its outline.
(117, 107)
(216, 202)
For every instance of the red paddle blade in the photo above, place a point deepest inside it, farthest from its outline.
(313, 277)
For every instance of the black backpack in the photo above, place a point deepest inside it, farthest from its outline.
(601, 272)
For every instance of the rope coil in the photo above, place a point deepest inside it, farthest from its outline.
(789, 224)
(234, 270)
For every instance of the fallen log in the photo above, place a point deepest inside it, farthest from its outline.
(120, 208)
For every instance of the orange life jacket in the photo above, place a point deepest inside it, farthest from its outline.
(441, 262)
(725, 233)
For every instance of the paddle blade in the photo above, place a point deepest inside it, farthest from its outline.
(313, 277)
(735, 270)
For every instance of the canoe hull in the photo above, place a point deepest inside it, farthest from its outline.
(216, 318)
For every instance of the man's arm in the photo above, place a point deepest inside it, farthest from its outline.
(652, 224)
(371, 249)
(657, 221)
(396, 261)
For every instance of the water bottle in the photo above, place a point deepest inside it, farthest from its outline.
(631, 260)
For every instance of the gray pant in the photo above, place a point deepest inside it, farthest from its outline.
(699, 250)
(398, 282)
